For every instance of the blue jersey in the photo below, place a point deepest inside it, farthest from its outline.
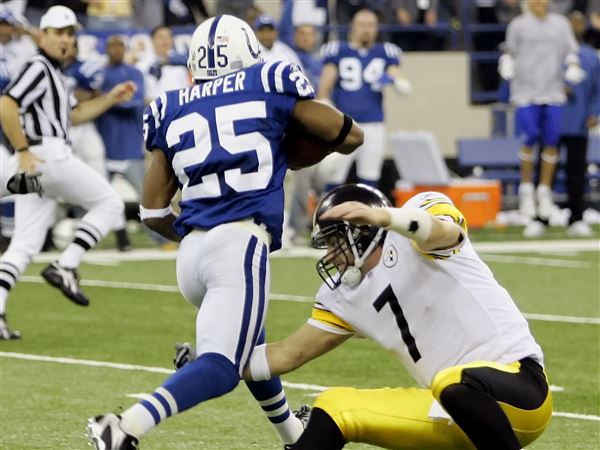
(222, 138)
(357, 91)
(86, 75)
(120, 125)
(584, 98)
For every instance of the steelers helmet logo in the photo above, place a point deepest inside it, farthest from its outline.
(390, 256)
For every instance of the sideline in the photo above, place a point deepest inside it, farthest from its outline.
(161, 370)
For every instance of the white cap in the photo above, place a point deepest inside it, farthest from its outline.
(59, 17)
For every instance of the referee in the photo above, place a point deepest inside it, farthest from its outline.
(36, 112)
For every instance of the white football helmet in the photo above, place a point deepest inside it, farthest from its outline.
(221, 45)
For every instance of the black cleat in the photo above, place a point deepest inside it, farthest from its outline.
(67, 281)
(123, 242)
(302, 413)
(104, 433)
(6, 334)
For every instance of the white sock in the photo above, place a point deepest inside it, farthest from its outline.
(526, 188)
(3, 298)
(71, 257)
(137, 421)
(290, 429)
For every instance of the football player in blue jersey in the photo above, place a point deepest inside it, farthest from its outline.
(353, 75)
(219, 143)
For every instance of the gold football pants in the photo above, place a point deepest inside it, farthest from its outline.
(398, 418)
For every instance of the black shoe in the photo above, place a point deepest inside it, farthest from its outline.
(6, 334)
(104, 433)
(67, 281)
(4, 243)
(303, 413)
(123, 242)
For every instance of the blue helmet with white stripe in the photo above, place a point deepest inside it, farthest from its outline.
(221, 45)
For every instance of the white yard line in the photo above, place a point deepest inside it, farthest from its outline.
(576, 416)
(284, 297)
(299, 386)
(532, 261)
(567, 247)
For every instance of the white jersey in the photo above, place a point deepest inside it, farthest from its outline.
(13, 55)
(433, 310)
(539, 46)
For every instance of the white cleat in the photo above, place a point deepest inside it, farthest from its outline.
(579, 229)
(104, 433)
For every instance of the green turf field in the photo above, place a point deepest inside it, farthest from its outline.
(44, 404)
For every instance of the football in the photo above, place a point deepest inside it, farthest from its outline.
(304, 150)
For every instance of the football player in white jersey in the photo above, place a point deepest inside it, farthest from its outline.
(410, 279)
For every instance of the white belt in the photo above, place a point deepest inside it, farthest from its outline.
(260, 231)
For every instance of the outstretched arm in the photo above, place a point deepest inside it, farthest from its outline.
(91, 109)
(428, 231)
(305, 344)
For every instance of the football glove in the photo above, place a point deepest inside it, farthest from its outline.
(25, 183)
(506, 66)
(184, 353)
(574, 74)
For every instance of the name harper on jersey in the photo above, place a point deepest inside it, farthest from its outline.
(230, 83)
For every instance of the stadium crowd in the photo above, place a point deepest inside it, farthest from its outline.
(158, 64)
(81, 122)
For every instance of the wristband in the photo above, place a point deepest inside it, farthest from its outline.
(346, 127)
(155, 213)
(258, 364)
(22, 149)
(414, 223)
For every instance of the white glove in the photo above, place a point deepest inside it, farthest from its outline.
(506, 67)
(402, 86)
(574, 74)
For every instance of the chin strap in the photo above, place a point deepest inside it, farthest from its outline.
(352, 276)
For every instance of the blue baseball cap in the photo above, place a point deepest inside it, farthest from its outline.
(264, 20)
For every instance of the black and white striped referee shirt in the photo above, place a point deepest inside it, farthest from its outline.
(43, 97)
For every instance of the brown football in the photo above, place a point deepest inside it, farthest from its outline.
(304, 150)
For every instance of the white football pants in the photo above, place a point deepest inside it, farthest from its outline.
(225, 273)
(70, 179)
(6, 170)
(369, 157)
(88, 146)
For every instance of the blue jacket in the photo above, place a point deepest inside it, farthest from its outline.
(584, 99)
(121, 126)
